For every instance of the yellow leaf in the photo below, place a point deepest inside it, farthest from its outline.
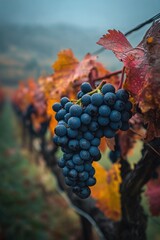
(106, 191)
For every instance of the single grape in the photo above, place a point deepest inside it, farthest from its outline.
(73, 144)
(77, 159)
(62, 163)
(79, 168)
(91, 110)
(70, 182)
(84, 155)
(86, 87)
(103, 121)
(115, 116)
(72, 133)
(104, 110)
(83, 176)
(74, 122)
(109, 133)
(97, 99)
(56, 107)
(128, 106)
(70, 164)
(109, 98)
(85, 118)
(91, 181)
(60, 114)
(88, 135)
(93, 126)
(67, 106)
(95, 142)
(86, 99)
(94, 151)
(107, 88)
(115, 125)
(65, 171)
(80, 94)
(75, 110)
(84, 144)
(119, 105)
(60, 130)
(84, 193)
(73, 173)
(64, 100)
(122, 95)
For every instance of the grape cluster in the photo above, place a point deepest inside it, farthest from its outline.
(96, 114)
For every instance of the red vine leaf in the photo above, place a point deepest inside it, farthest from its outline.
(153, 194)
(117, 42)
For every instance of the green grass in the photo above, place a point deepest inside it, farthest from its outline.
(30, 207)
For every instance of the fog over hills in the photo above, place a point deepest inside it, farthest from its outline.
(30, 50)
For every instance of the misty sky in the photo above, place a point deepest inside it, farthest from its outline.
(103, 14)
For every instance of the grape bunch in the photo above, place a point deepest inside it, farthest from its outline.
(81, 125)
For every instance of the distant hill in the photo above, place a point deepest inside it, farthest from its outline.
(30, 50)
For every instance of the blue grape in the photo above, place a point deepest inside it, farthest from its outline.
(84, 155)
(97, 99)
(84, 144)
(67, 106)
(103, 121)
(128, 106)
(60, 130)
(77, 159)
(93, 126)
(94, 151)
(107, 88)
(74, 122)
(85, 118)
(86, 99)
(63, 140)
(122, 95)
(70, 182)
(67, 156)
(83, 176)
(91, 110)
(79, 168)
(60, 114)
(126, 116)
(80, 94)
(119, 105)
(95, 142)
(88, 135)
(92, 172)
(109, 98)
(109, 133)
(87, 166)
(73, 144)
(70, 164)
(64, 100)
(65, 171)
(84, 192)
(75, 110)
(91, 181)
(72, 133)
(115, 125)
(104, 110)
(86, 87)
(115, 116)
(73, 173)
(61, 163)
(56, 107)
(67, 117)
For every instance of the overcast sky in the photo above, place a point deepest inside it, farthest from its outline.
(103, 14)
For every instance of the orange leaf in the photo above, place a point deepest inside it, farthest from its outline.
(106, 191)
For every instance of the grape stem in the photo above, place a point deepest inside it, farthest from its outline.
(122, 78)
